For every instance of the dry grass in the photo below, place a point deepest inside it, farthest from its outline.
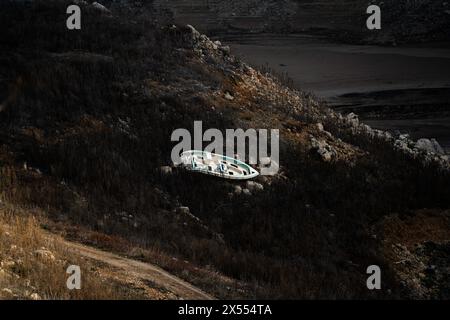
(34, 264)
(206, 278)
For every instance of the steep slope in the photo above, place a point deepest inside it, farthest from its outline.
(85, 133)
(33, 266)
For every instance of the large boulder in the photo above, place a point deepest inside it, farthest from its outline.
(429, 145)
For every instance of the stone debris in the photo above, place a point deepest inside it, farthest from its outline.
(166, 170)
(319, 126)
(205, 47)
(100, 7)
(429, 145)
(425, 150)
(183, 210)
(253, 186)
(44, 254)
(326, 152)
(195, 34)
(35, 296)
(353, 120)
(228, 96)
(8, 292)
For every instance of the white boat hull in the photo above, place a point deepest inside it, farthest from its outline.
(217, 165)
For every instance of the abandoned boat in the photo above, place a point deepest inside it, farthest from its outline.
(217, 165)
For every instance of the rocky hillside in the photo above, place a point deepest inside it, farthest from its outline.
(217, 16)
(85, 132)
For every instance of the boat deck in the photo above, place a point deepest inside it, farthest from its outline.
(217, 165)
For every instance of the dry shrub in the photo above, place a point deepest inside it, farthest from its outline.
(34, 262)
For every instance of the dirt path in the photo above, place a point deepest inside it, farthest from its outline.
(143, 271)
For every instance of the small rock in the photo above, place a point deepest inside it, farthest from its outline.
(7, 291)
(195, 34)
(3, 274)
(353, 119)
(264, 180)
(403, 137)
(254, 186)
(100, 7)
(44, 254)
(183, 210)
(35, 296)
(225, 49)
(228, 96)
(429, 146)
(7, 264)
(166, 170)
(323, 149)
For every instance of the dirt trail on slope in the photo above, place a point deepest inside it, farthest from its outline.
(145, 271)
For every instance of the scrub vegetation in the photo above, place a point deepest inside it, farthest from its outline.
(85, 129)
